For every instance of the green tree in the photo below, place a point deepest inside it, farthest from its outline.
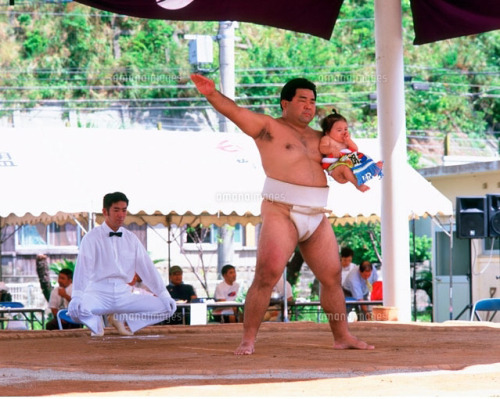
(363, 239)
(36, 43)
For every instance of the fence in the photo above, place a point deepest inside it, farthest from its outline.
(29, 294)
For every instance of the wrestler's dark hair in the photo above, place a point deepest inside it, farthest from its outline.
(111, 198)
(328, 121)
(346, 252)
(67, 272)
(364, 266)
(226, 268)
(289, 89)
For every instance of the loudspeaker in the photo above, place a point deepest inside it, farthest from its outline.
(471, 217)
(493, 206)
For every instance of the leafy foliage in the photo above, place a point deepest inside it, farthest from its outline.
(88, 54)
(421, 251)
(363, 239)
(36, 43)
(56, 267)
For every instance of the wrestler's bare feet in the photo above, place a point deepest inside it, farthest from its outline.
(245, 348)
(351, 343)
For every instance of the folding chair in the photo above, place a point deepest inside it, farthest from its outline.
(63, 315)
(485, 305)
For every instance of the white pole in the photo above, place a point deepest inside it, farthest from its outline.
(392, 132)
(285, 298)
(226, 64)
(225, 37)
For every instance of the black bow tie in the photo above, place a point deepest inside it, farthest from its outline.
(112, 233)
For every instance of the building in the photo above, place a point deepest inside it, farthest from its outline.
(475, 262)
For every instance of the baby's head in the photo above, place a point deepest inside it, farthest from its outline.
(330, 120)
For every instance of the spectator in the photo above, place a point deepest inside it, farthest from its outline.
(182, 293)
(59, 299)
(5, 295)
(346, 255)
(358, 286)
(227, 290)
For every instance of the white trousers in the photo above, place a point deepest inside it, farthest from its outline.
(110, 297)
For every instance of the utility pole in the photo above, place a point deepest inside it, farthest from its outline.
(225, 37)
(226, 65)
(200, 54)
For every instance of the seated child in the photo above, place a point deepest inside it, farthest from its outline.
(344, 163)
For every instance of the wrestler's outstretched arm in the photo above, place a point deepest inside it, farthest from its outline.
(249, 122)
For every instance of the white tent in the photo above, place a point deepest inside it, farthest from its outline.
(169, 177)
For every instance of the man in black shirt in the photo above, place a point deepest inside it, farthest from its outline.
(181, 293)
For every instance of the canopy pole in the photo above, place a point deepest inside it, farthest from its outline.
(1, 242)
(392, 132)
(285, 297)
(450, 269)
(79, 224)
(169, 242)
(414, 267)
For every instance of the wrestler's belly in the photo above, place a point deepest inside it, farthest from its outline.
(302, 174)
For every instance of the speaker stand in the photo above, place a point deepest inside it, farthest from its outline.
(469, 306)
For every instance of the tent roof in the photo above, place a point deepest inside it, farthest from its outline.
(162, 173)
(169, 177)
(433, 19)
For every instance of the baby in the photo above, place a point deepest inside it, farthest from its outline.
(343, 161)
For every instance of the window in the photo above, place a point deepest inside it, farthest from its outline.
(200, 234)
(211, 234)
(52, 235)
(239, 234)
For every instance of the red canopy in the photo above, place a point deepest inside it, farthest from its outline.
(316, 17)
(433, 19)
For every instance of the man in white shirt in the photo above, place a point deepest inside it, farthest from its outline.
(346, 255)
(227, 290)
(357, 285)
(60, 297)
(107, 262)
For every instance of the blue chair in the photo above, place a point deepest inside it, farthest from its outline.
(485, 305)
(11, 305)
(63, 315)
